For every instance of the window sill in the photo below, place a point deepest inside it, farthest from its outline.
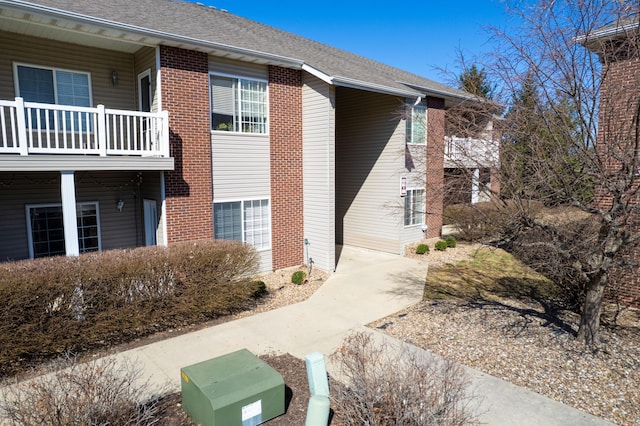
(226, 132)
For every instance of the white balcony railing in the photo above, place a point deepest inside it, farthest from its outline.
(35, 128)
(469, 152)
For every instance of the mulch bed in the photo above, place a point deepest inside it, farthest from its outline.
(294, 373)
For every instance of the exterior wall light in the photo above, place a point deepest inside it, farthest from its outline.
(120, 205)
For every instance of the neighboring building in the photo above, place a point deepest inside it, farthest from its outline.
(471, 167)
(129, 123)
(618, 131)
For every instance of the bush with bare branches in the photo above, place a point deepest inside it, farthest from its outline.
(388, 385)
(60, 305)
(102, 392)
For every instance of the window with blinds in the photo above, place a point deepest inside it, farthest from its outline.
(238, 105)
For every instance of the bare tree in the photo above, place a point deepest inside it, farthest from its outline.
(571, 138)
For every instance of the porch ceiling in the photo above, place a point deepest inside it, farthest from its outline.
(71, 32)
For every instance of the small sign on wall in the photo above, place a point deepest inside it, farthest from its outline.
(403, 186)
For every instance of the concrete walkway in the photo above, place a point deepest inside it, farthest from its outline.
(366, 286)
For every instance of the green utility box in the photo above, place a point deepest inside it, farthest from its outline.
(234, 389)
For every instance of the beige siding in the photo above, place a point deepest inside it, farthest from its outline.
(370, 160)
(118, 229)
(237, 68)
(241, 162)
(415, 172)
(318, 119)
(99, 63)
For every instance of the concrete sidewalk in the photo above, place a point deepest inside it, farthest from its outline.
(366, 286)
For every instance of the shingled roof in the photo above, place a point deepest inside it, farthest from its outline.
(193, 25)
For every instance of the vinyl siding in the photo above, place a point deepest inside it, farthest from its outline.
(318, 118)
(370, 159)
(415, 172)
(241, 162)
(49, 53)
(118, 229)
(237, 68)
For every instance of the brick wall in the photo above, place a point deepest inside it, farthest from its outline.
(285, 123)
(185, 94)
(617, 136)
(434, 191)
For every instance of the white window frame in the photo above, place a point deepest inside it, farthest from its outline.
(238, 99)
(242, 221)
(413, 213)
(79, 205)
(411, 119)
(54, 70)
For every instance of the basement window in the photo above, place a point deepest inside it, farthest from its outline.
(247, 221)
(414, 206)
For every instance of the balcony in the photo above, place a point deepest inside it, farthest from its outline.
(471, 153)
(30, 130)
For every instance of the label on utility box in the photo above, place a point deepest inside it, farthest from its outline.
(252, 413)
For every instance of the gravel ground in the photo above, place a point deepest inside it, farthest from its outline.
(511, 340)
(514, 341)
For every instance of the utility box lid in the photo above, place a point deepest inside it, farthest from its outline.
(233, 389)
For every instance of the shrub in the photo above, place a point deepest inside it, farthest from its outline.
(53, 306)
(97, 393)
(441, 245)
(418, 390)
(298, 277)
(422, 249)
(260, 289)
(451, 242)
(479, 222)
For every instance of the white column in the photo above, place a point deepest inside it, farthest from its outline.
(69, 215)
(475, 186)
(163, 212)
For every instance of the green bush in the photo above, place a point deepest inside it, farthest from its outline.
(260, 289)
(451, 242)
(298, 277)
(441, 245)
(53, 306)
(422, 249)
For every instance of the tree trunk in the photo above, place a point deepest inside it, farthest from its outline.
(590, 319)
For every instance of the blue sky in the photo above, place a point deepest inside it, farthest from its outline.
(417, 36)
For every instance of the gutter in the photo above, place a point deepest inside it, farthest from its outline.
(57, 13)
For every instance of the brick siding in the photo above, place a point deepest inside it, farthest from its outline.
(285, 123)
(617, 125)
(185, 94)
(434, 192)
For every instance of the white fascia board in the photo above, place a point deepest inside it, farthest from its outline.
(317, 73)
(443, 94)
(373, 87)
(160, 35)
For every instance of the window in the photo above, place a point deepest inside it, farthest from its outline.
(414, 207)
(417, 125)
(238, 105)
(245, 221)
(55, 86)
(46, 230)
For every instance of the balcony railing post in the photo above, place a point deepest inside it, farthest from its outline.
(164, 137)
(21, 123)
(102, 131)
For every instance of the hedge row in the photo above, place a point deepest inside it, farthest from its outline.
(59, 305)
